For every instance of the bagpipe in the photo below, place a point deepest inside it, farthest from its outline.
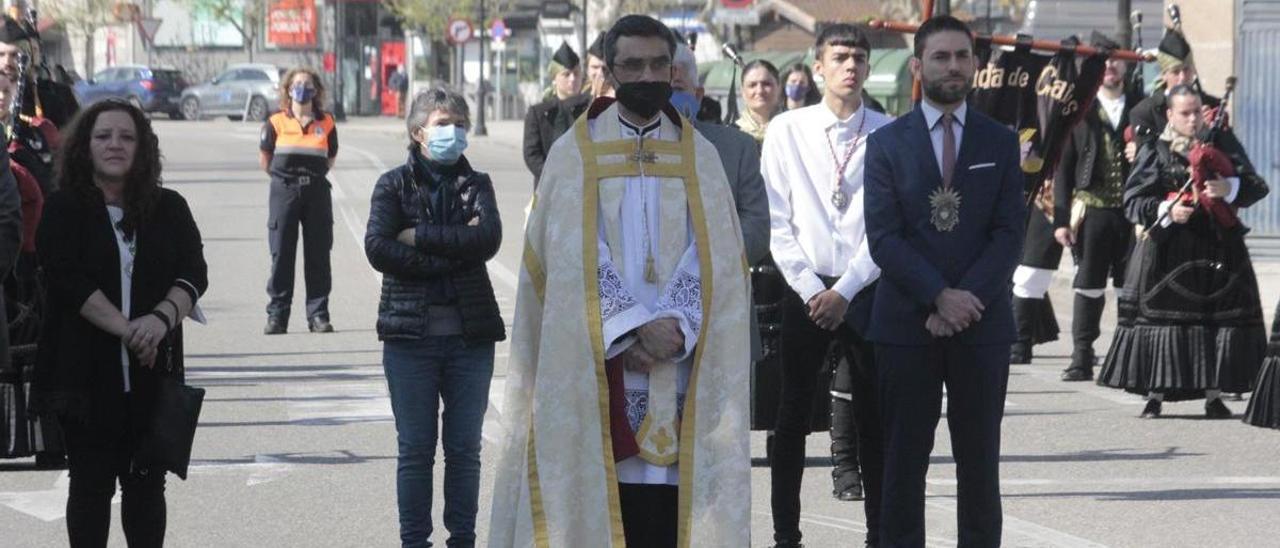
(1207, 162)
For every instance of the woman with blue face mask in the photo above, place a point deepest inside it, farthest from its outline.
(433, 224)
(297, 148)
(799, 87)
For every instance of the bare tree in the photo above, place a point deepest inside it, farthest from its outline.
(84, 17)
(246, 16)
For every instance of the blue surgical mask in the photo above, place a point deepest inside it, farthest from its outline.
(302, 94)
(686, 103)
(796, 92)
(446, 143)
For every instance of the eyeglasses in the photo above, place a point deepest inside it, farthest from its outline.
(636, 65)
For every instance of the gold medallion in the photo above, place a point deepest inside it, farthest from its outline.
(944, 209)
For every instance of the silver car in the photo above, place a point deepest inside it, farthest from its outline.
(251, 90)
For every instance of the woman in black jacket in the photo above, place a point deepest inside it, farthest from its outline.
(433, 224)
(124, 265)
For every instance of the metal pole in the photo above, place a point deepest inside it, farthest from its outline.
(480, 129)
(585, 40)
(1124, 30)
(339, 111)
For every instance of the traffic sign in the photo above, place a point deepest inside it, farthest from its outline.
(147, 27)
(459, 31)
(498, 30)
(736, 4)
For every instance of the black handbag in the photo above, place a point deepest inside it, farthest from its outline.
(171, 431)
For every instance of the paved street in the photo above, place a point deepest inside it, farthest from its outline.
(297, 442)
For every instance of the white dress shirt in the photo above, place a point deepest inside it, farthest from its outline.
(809, 236)
(932, 118)
(1113, 107)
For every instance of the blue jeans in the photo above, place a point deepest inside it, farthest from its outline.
(421, 374)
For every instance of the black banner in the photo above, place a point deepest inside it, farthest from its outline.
(1040, 97)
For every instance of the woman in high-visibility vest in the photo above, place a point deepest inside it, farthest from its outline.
(298, 146)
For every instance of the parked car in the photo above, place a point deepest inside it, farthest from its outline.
(152, 89)
(251, 89)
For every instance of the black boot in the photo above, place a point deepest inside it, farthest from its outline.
(1024, 317)
(1086, 317)
(845, 476)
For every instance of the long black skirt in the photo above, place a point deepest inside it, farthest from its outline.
(1264, 406)
(1190, 317)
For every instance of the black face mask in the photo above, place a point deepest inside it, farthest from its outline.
(644, 98)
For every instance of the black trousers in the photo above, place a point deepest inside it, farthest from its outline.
(1102, 248)
(911, 381)
(95, 463)
(649, 514)
(805, 345)
(293, 204)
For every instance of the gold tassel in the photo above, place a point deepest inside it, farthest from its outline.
(650, 273)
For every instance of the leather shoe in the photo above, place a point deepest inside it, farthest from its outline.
(1216, 410)
(319, 325)
(1073, 374)
(275, 326)
(1152, 410)
(851, 491)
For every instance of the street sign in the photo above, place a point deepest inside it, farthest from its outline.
(459, 31)
(147, 26)
(726, 16)
(736, 4)
(498, 31)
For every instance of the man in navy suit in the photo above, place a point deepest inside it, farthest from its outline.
(946, 229)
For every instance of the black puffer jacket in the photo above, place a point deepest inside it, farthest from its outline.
(448, 252)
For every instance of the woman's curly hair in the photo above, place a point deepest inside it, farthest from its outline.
(73, 167)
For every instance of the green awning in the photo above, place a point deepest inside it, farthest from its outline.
(889, 82)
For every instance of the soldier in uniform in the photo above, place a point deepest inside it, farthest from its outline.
(547, 121)
(298, 147)
(1089, 208)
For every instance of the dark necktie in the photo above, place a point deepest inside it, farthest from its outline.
(948, 149)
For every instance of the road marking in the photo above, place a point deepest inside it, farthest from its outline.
(1155, 482)
(852, 526)
(1023, 528)
(47, 504)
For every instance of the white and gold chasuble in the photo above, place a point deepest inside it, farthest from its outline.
(625, 229)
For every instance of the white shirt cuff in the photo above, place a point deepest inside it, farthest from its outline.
(1235, 189)
(1166, 220)
(808, 286)
(617, 327)
(619, 347)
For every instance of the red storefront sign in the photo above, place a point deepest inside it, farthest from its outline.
(292, 23)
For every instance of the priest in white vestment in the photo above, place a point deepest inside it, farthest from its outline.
(627, 394)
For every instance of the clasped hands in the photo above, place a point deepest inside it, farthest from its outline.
(956, 310)
(657, 342)
(143, 337)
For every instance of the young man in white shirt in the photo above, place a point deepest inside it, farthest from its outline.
(813, 169)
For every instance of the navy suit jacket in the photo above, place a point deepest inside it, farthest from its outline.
(916, 260)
